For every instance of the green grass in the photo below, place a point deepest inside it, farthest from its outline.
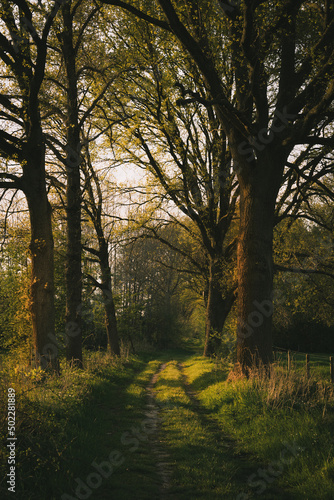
(198, 467)
(318, 363)
(66, 423)
(266, 417)
(209, 460)
(227, 442)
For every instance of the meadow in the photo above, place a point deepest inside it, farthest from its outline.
(209, 433)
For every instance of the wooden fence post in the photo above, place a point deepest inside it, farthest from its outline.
(289, 361)
(307, 365)
(331, 369)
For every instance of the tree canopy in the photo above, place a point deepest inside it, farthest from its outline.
(227, 108)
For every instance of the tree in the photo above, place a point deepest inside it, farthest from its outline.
(15, 321)
(93, 206)
(304, 283)
(281, 98)
(69, 47)
(184, 149)
(79, 85)
(23, 53)
(150, 289)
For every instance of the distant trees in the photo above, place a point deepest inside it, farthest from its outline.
(304, 287)
(151, 291)
(185, 152)
(15, 323)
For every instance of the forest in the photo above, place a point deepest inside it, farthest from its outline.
(166, 249)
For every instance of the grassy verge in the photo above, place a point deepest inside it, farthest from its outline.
(286, 422)
(81, 434)
(203, 465)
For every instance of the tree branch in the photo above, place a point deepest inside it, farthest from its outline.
(298, 270)
(139, 13)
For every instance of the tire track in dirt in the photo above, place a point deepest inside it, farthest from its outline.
(163, 464)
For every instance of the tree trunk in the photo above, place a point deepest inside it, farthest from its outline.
(109, 306)
(73, 197)
(42, 258)
(255, 270)
(217, 310)
(73, 267)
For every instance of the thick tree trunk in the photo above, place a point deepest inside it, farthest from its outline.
(73, 266)
(109, 305)
(73, 198)
(255, 268)
(217, 310)
(42, 284)
(42, 257)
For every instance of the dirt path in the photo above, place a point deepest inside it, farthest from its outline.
(163, 465)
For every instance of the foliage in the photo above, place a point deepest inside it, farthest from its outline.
(303, 315)
(151, 296)
(264, 414)
(15, 325)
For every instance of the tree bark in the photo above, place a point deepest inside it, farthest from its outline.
(259, 186)
(109, 305)
(217, 310)
(73, 197)
(41, 254)
(73, 268)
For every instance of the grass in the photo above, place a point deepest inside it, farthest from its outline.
(318, 364)
(191, 447)
(83, 434)
(267, 416)
(208, 461)
(66, 423)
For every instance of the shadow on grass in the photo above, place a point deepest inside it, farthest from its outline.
(206, 379)
(210, 463)
(167, 382)
(56, 446)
